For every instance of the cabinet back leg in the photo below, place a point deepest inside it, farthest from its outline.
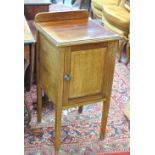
(80, 109)
(121, 47)
(127, 53)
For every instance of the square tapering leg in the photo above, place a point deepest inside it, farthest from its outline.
(58, 115)
(105, 112)
(39, 106)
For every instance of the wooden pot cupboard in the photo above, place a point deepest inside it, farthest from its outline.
(75, 63)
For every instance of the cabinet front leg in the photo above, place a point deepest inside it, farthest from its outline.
(107, 83)
(105, 112)
(39, 101)
(58, 115)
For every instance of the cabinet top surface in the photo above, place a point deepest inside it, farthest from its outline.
(73, 31)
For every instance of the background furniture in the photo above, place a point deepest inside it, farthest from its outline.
(97, 6)
(115, 15)
(32, 7)
(55, 1)
(126, 41)
(28, 78)
(29, 41)
(128, 50)
(81, 3)
(117, 18)
(73, 1)
(89, 4)
(127, 111)
(125, 45)
(75, 61)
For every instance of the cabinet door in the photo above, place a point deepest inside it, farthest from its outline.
(86, 72)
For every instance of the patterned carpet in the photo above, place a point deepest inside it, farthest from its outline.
(80, 132)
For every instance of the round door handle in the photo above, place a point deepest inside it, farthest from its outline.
(67, 77)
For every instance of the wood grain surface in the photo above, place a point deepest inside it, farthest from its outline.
(72, 28)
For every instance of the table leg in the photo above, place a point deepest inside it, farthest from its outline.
(89, 9)
(73, 1)
(28, 79)
(127, 53)
(32, 57)
(121, 47)
(81, 3)
(89, 4)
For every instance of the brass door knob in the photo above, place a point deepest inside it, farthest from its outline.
(67, 77)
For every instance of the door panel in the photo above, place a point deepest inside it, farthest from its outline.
(86, 72)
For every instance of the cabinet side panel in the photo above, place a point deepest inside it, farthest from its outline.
(86, 72)
(49, 68)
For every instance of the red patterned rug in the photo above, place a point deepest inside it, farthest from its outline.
(80, 132)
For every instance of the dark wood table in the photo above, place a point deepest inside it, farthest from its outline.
(29, 41)
(32, 7)
(28, 76)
